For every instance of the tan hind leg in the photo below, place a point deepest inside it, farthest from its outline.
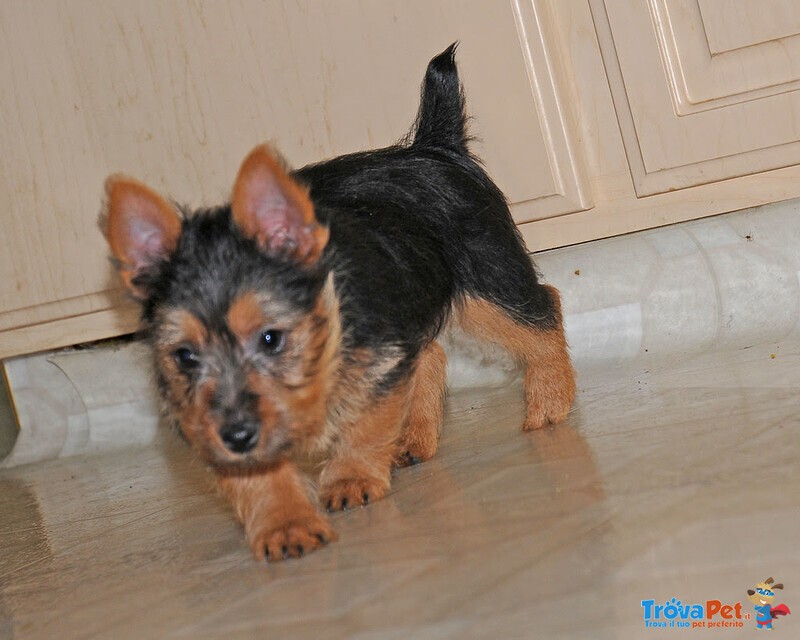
(549, 376)
(420, 437)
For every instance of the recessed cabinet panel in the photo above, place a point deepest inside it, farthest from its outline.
(736, 24)
(689, 116)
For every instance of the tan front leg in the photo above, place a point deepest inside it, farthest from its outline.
(423, 426)
(359, 470)
(279, 519)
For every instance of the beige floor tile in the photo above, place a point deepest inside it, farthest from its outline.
(671, 479)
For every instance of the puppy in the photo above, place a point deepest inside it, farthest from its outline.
(302, 317)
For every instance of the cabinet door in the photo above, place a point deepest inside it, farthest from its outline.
(177, 93)
(705, 90)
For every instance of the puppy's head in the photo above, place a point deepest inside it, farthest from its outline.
(242, 316)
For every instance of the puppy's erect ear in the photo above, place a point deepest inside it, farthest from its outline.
(141, 227)
(274, 210)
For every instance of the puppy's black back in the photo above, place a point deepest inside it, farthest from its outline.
(417, 226)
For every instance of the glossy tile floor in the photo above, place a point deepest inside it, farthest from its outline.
(676, 478)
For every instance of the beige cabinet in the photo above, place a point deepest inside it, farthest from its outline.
(596, 117)
(706, 97)
(686, 108)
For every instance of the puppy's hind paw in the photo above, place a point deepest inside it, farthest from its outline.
(538, 419)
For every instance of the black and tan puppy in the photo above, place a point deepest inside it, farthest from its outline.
(303, 316)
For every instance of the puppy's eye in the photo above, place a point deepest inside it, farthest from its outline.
(272, 341)
(186, 359)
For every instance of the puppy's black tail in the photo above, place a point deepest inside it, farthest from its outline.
(441, 121)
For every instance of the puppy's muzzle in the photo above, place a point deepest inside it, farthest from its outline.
(239, 437)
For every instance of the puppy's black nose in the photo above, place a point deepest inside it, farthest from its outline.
(240, 437)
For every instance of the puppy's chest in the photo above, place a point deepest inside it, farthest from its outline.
(362, 379)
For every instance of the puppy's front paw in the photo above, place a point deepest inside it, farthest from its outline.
(291, 538)
(341, 495)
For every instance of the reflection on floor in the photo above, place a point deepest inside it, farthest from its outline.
(675, 479)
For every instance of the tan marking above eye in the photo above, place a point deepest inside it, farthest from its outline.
(245, 316)
(194, 330)
(181, 327)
